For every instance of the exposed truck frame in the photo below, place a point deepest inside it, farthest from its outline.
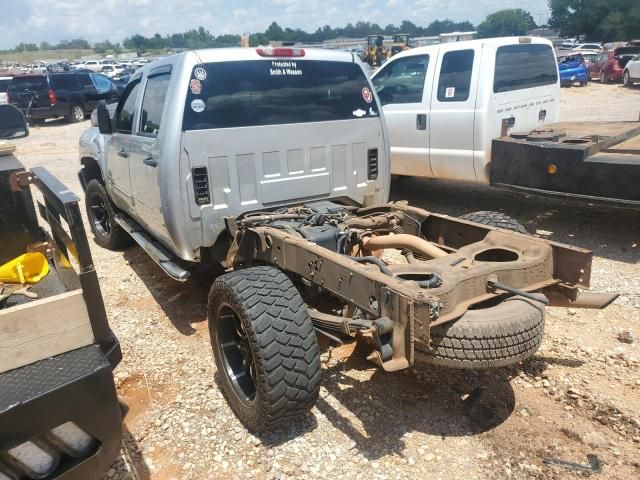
(480, 263)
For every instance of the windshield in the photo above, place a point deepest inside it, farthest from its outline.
(278, 91)
(4, 84)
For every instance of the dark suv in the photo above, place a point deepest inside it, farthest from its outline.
(52, 95)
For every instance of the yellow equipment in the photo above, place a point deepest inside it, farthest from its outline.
(375, 50)
(28, 268)
(400, 43)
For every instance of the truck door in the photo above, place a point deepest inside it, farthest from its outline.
(118, 179)
(144, 149)
(400, 85)
(453, 112)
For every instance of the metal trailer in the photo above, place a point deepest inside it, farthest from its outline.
(594, 161)
(59, 412)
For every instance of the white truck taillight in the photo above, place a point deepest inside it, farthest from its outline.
(280, 52)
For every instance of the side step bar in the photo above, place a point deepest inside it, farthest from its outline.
(155, 250)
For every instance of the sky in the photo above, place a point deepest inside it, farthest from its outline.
(34, 21)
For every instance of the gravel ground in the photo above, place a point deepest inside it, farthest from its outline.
(579, 394)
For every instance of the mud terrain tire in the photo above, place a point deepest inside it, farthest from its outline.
(496, 219)
(491, 337)
(272, 375)
(101, 214)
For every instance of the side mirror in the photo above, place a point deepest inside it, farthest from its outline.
(13, 124)
(104, 119)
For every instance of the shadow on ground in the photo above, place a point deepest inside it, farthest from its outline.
(610, 232)
(185, 303)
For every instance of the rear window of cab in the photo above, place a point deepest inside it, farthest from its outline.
(524, 66)
(276, 91)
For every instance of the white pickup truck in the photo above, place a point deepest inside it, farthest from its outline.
(444, 104)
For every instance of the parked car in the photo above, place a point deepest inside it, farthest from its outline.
(71, 95)
(444, 104)
(609, 66)
(111, 70)
(4, 85)
(588, 46)
(589, 56)
(573, 69)
(94, 65)
(631, 72)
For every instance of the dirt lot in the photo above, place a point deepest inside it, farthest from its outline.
(580, 394)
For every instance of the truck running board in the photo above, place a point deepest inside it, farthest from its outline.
(155, 250)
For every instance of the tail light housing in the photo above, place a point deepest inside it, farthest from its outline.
(280, 52)
(53, 98)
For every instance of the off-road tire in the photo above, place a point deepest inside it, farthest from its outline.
(496, 219)
(281, 341)
(114, 237)
(492, 337)
(76, 113)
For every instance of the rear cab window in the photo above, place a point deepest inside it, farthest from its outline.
(276, 91)
(454, 84)
(524, 66)
(402, 81)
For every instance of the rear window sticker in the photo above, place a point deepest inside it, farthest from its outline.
(195, 86)
(285, 68)
(367, 95)
(200, 73)
(198, 105)
(450, 92)
(359, 113)
(372, 112)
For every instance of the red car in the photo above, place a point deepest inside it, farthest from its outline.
(609, 65)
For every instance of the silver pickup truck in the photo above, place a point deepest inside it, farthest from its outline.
(274, 163)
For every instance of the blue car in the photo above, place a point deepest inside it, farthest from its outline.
(573, 69)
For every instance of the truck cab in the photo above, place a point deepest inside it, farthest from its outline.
(444, 104)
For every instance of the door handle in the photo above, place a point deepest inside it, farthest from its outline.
(421, 121)
(123, 153)
(152, 162)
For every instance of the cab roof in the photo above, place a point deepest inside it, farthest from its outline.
(493, 42)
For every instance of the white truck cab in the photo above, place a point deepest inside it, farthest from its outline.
(444, 104)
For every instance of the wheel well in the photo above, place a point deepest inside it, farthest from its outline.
(90, 171)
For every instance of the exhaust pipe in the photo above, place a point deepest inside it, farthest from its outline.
(403, 240)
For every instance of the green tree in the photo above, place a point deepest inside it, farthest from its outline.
(26, 47)
(506, 23)
(45, 46)
(596, 20)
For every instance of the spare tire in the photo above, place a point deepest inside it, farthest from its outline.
(493, 337)
(496, 219)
